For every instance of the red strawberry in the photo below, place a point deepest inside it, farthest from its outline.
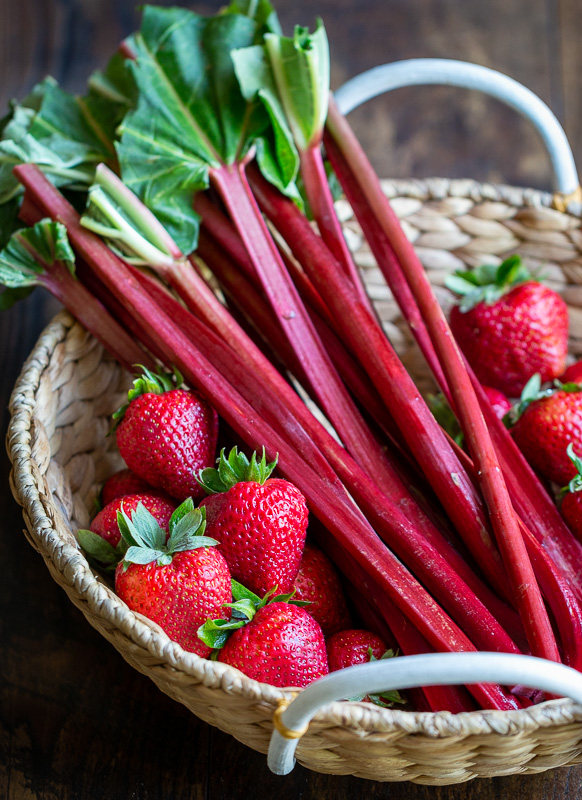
(121, 483)
(350, 647)
(105, 523)
(545, 423)
(103, 543)
(499, 402)
(281, 645)
(318, 582)
(573, 374)
(509, 326)
(259, 522)
(179, 583)
(571, 504)
(167, 435)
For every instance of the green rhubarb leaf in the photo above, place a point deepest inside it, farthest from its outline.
(9, 221)
(67, 124)
(112, 92)
(261, 11)
(30, 250)
(190, 115)
(290, 76)
(257, 83)
(300, 66)
(65, 135)
(235, 468)
(9, 297)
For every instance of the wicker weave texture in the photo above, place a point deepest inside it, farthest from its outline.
(61, 409)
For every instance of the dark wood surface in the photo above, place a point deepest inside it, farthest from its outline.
(76, 722)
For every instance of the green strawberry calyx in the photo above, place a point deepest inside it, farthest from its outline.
(533, 391)
(575, 484)
(215, 632)
(384, 699)
(235, 468)
(488, 282)
(146, 539)
(101, 553)
(148, 382)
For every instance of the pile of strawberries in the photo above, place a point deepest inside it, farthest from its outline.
(217, 555)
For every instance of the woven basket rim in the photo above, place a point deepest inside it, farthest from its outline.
(32, 493)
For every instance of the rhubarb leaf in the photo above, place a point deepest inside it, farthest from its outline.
(257, 81)
(21, 261)
(260, 10)
(191, 116)
(292, 79)
(66, 136)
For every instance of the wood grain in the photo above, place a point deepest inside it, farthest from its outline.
(76, 722)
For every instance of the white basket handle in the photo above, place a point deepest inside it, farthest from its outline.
(407, 672)
(418, 71)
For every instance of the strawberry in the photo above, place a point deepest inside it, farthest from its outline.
(573, 374)
(281, 645)
(260, 522)
(318, 582)
(544, 423)
(350, 647)
(159, 505)
(121, 483)
(103, 542)
(508, 325)
(166, 435)
(179, 583)
(499, 402)
(571, 502)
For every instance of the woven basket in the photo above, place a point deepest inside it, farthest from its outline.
(61, 410)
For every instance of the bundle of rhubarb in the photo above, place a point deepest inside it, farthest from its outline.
(182, 210)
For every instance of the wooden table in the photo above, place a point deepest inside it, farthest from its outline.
(75, 720)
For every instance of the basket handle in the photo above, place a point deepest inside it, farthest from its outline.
(442, 71)
(292, 719)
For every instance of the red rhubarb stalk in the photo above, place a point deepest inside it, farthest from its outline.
(403, 400)
(530, 499)
(501, 512)
(294, 319)
(321, 203)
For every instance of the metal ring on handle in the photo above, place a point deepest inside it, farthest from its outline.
(442, 71)
(407, 672)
